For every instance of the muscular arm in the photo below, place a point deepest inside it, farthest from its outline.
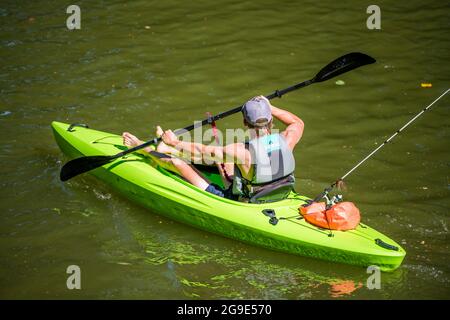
(199, 152)
(295, 125)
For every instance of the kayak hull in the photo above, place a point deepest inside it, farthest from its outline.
(139, 179)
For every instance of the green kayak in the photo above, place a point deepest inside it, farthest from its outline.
(137, 178)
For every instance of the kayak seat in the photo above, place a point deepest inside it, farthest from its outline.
(275, 191)
(211, 173)
(272, 192)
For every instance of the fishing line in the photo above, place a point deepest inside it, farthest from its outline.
(340, 180)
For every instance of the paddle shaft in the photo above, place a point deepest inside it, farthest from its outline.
(276, 94)
(337, 67)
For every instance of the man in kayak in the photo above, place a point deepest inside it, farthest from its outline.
(246, 167)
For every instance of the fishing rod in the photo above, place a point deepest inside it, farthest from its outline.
(340, 181)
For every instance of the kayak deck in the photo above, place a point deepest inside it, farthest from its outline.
(137, 178)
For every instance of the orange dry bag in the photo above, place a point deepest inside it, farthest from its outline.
(341, 216)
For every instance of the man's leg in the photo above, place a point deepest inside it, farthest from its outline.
(172, 164)
(189, 173)
(131, 141)
(226, 169)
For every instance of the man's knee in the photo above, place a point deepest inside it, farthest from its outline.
(177, 162)
(159, 148)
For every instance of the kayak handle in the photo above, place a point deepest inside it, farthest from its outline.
(70, 128)
(385, 245)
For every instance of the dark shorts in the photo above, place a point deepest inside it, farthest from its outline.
(218, 191)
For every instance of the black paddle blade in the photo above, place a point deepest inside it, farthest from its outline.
(343, 64)
(84, 164)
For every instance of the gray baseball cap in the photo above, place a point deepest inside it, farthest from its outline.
(257, 109)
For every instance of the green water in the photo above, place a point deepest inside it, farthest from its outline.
(137, 64)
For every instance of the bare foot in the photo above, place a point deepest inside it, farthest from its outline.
(159, 131)
(131, 141)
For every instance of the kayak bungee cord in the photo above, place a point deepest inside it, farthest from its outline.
(339, 182)
(338, 66)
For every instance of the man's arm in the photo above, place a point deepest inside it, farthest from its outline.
(295, 126)
(199, 152)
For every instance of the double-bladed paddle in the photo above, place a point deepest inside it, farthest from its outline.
(339, 66)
